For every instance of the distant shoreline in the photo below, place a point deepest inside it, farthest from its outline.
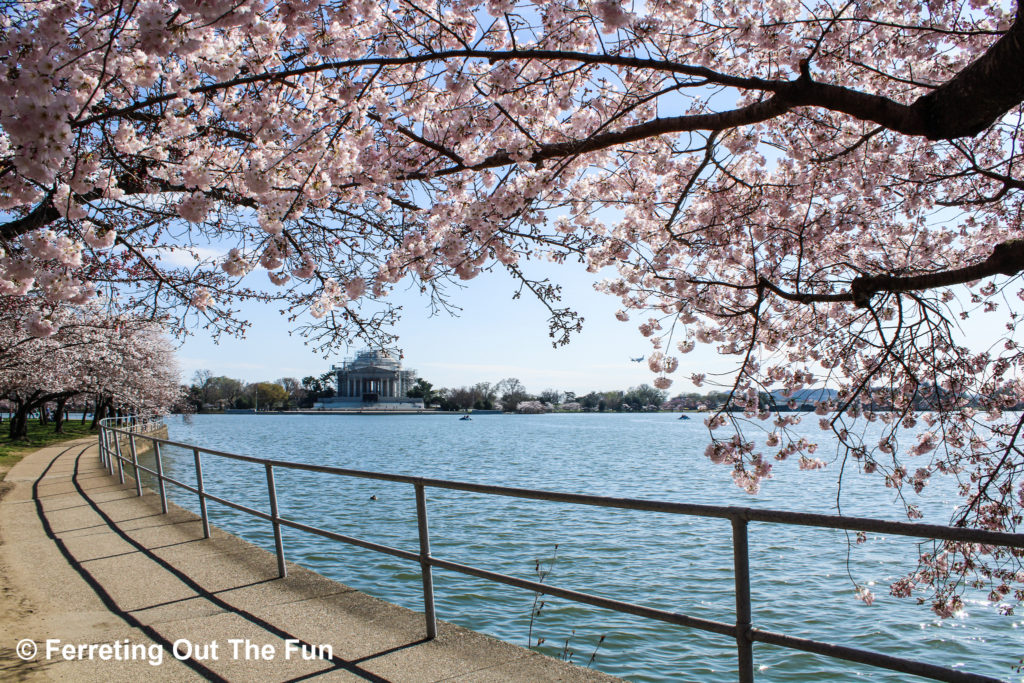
(439, 412)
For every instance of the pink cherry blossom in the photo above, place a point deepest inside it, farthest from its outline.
(99, 240)
(38, 326)
(202, 299)
(235, 264)
(866, 595)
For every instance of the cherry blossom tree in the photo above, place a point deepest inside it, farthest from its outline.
(34, 370)
(121, 364)
(823, 190)
(131, 368)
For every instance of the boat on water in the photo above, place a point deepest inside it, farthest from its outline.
(684, 416)
(465, 417)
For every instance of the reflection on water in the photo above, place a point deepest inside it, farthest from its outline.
(801, 581)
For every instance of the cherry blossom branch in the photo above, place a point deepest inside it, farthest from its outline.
(1007, 258)
(963, 106)
(992, 473)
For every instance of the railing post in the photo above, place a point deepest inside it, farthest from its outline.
(120, 462)
(202, 495)
(101, 442)
(135, 464)
(741, 571)
(282, 570)
(160, 476)
(425, 568)
(110, 453)
(105, 440)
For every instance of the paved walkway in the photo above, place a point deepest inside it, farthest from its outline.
(84, 562)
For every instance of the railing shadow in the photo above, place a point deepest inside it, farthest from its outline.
(741, 629)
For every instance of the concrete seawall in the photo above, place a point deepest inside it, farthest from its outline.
(98, 585)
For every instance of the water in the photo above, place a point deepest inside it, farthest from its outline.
(801, 581)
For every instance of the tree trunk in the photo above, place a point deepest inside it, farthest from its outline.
(58, 416)
(100, 412)
(19, 422)
(44, 419)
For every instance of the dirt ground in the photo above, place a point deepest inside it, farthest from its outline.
(18, 607)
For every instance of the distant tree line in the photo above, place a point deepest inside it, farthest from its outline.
(510, 395)
(214, 393)
(209, 392)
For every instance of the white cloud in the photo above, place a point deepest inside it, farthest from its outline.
(183, 258)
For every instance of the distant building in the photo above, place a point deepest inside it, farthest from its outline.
(372, 380)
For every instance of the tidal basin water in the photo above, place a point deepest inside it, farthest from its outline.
(800, 577)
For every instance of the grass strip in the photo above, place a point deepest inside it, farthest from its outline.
(39, 436)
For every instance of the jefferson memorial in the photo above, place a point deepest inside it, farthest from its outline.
(372, 380)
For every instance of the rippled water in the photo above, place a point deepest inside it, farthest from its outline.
(801, 581)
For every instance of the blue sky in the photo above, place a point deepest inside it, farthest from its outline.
(492, 338)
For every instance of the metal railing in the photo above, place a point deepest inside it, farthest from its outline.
(742, 629)
(132, 423)
(114, 430)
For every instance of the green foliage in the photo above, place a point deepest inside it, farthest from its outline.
(270, 396)
(443, 401)
(422, 389)
(552, 396)
(209, 392)
(611, 400)
(511, 392)
(643, 397)
(316, 388)
(214, 393)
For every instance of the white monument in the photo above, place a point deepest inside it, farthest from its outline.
(373, 380)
